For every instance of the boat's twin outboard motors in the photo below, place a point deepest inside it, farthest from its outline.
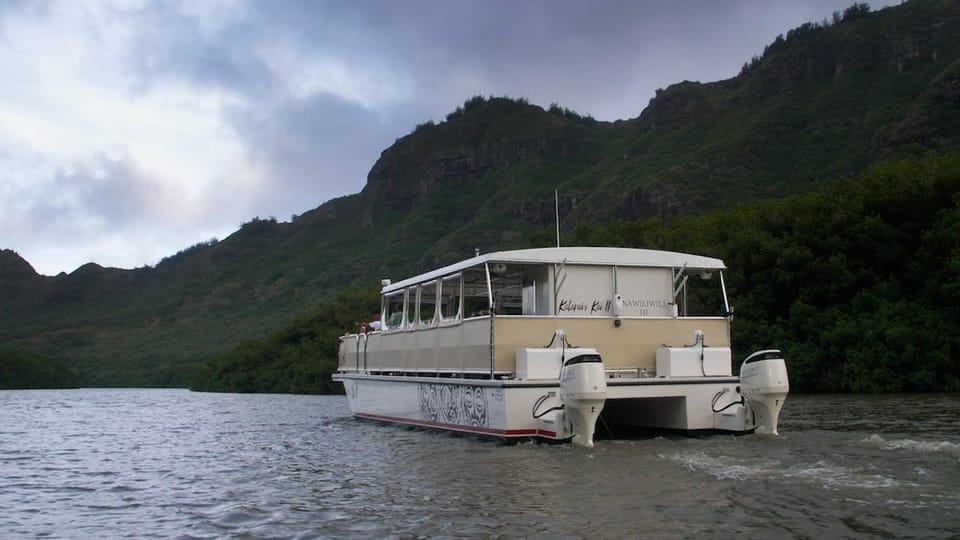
(764, 384)
(583, 391)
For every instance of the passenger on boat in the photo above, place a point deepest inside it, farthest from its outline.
(375, 325)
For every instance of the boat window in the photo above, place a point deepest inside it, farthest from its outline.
(476, 302)
(507, 288)
(703, 295)
(394, 310)
(428, 303)
(411, 317)
(506, 285)
(450, 298)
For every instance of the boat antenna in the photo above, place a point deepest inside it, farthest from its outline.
(556, 209)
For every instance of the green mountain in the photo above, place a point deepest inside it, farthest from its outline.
(824, 101)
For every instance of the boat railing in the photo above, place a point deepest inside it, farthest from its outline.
(489, 344)
(462, 348)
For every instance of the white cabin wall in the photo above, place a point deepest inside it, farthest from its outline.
(631, 345)
(646, 292)
(589, 291)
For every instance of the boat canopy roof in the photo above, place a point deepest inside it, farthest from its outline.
(597, 256)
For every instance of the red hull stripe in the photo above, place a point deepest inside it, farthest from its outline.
(457, 427)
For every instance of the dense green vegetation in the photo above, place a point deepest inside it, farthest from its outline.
(297, 359)
(827, 100)
(25, 371)
(858, 284)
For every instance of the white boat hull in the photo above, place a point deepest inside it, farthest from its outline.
(505, 409)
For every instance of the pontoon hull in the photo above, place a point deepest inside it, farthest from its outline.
(505, 409)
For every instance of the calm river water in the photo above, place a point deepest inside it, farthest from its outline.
(171, 463)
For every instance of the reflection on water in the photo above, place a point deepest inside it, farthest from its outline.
(138, 463)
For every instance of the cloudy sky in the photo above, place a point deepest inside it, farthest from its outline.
(130, 130)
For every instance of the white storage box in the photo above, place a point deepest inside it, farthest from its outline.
(685, 362)
(538, 364)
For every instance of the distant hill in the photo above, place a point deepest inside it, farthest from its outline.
(821, 102)
(20, 371)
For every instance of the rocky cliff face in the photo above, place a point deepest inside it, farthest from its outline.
(491, 134)
(933, 121)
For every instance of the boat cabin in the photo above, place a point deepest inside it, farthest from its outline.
(470, 319)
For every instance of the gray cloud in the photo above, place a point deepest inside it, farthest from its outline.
(169, 44)
(103, 194)
(107, 205)
(603, 58)
(312, 147)
(583, 55)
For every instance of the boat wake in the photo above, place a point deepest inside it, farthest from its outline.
(828, 475)
(912, 444)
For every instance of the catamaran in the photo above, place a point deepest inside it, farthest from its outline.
(556, 343)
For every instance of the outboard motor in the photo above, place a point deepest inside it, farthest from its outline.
(764, 383)
(583, 391)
